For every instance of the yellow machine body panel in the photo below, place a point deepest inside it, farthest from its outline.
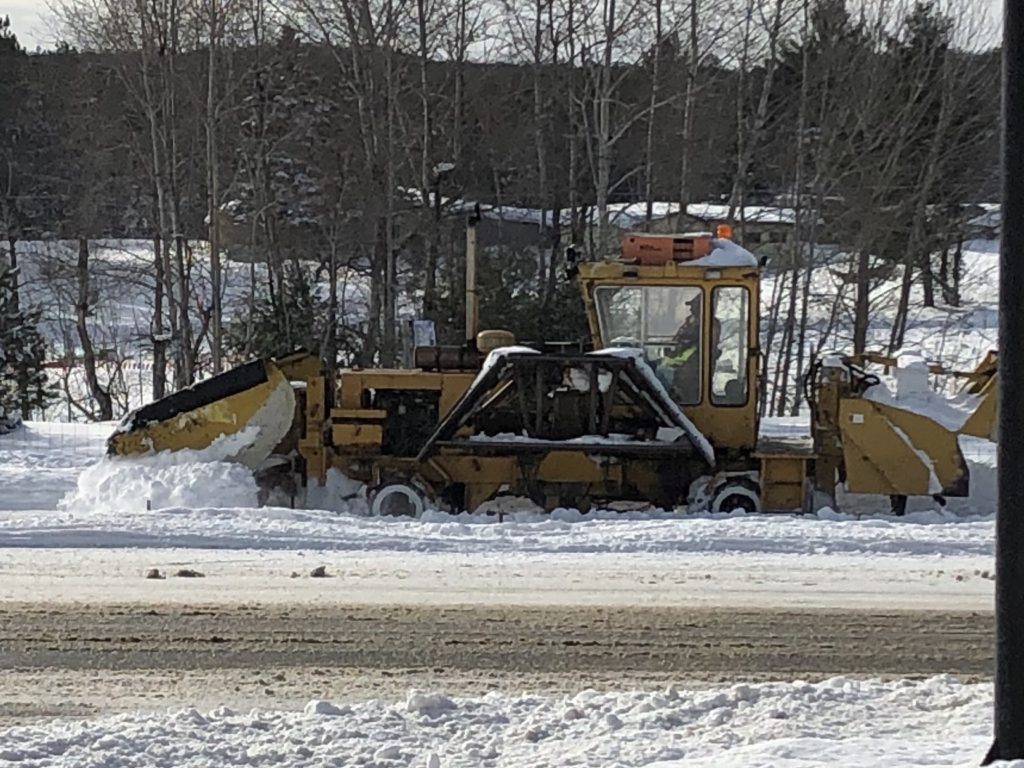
(983, 382)
(354, 384)
(650, 302)
(895, 452)
(300, 366)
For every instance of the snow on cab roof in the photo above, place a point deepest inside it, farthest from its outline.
(726, 253)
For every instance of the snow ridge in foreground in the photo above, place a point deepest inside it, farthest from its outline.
(839, 722)
(276, 528)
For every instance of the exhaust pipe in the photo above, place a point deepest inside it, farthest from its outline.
(472, 299)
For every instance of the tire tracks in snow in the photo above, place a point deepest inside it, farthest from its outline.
(80, 659)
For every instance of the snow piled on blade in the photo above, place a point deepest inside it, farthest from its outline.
(937, 723)
(186, 478)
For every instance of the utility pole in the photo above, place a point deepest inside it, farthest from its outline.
(1009, 683)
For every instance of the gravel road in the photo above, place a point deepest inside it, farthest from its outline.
(79, 659)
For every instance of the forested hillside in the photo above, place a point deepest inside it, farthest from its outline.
(338, 140)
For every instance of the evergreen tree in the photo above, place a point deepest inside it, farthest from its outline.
(23, 385)
(258, 331)
(8, 40)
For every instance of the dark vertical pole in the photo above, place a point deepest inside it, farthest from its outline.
(1009, 685)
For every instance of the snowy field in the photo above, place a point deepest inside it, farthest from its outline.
(74, 527)
(858, 724)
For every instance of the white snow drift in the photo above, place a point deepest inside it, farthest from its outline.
(186, 478)
(839, 722)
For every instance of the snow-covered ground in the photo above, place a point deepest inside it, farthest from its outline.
(59, 494)
(74, 527)
(762, 581)
(41, 462)
(840, 722)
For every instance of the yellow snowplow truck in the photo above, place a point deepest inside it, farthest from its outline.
(660, 408)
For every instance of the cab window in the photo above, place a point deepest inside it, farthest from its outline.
(666, 322)
(730, 308)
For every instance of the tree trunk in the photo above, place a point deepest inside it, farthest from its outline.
(860, 313)
(751, 139)
(801, 342)
(944, 275)
(551, 284)
(378, 271)
(390, 321)
(790, 331)
(958, 260)
(771, 329)
(330, 354)
(689, 105)
(214, 194)
(652, 110)
(540, 145)
(179, 297)
(460, 81)
(159, 339)
(151, 103)
(604, 130)
(429, 178)
(927, 279)
(251, 314)
(186, 372)
(104, 403)
(12, 260)
(575, 227)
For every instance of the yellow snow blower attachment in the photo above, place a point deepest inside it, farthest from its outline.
(901, 442)
(255, 400)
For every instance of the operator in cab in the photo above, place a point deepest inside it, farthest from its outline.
(679, 369)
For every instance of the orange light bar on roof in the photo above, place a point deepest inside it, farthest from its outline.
(653, 250)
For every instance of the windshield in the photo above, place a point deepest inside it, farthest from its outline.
(664, 321)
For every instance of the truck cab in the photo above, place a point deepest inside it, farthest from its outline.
(690, 303)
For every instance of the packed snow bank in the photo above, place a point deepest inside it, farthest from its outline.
(839, 722)
(105, 576)
(927, 536)
(339, 493)
(187, 478)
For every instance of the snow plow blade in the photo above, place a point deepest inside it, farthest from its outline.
(255, 399)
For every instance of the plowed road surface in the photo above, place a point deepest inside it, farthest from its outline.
(80, 659)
